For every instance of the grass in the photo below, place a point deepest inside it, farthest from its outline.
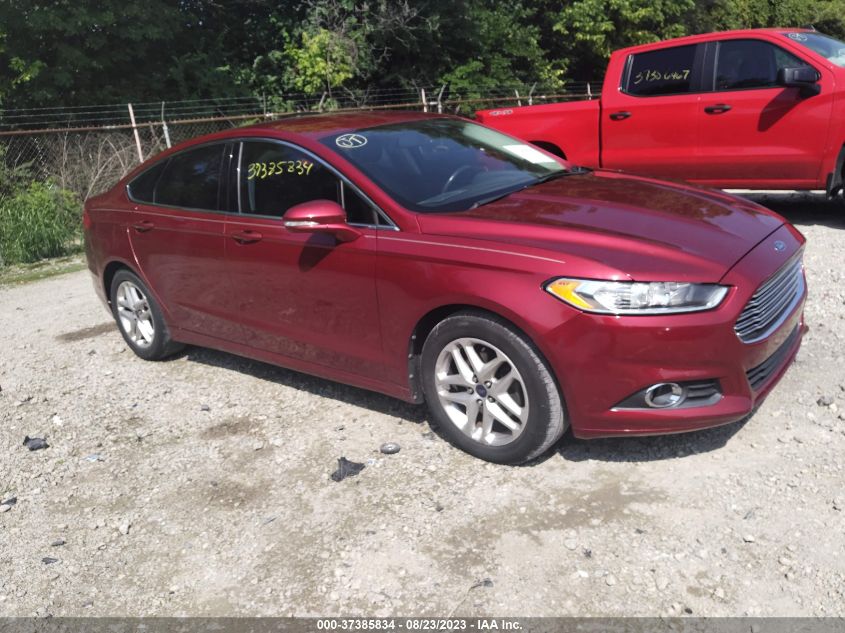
(38, 221)
(25, 273)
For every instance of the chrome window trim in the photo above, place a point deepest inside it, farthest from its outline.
(718, 52)
(390, 226)
(238, 175)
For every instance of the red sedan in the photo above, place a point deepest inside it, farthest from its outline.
(434, 259)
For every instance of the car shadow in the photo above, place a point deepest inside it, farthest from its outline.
(803, 208)
(569, 448)
(647, 449)
(317, 386)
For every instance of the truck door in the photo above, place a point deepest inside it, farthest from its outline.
(754, 132)
(649, 121)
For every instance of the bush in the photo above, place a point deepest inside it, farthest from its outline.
(38, 221)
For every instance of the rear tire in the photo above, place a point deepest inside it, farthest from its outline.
(139, 318)
(489, 390)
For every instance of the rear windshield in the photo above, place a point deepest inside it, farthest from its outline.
(831, 49)
(439, 165)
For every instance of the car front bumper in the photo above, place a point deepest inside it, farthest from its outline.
(601, 361)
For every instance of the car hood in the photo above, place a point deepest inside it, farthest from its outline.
(641, 228)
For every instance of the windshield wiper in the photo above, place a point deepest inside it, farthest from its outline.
(499, 196)
(574, 171)
(551, 176)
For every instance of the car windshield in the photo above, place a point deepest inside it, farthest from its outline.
(831, 49)
(441, 165)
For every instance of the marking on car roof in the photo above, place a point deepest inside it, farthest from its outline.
(350, 141)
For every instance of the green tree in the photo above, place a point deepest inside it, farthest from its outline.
(713, 15)
(60, 52)
(19, 71)
(502, 48)
(321, 61)
(82, 53)
(592, 29)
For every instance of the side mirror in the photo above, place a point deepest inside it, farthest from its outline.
(802, 77)
(320, 216)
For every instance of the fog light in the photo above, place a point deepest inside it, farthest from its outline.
(664, 395)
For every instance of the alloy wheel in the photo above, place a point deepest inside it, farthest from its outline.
(481, 391)
(134, 314)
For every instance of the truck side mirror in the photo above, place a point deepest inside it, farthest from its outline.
(802, 77)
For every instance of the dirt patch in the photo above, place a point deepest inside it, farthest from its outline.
(86, 333)
(230, 427)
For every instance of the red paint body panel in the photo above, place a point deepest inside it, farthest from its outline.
(571, 127)
(658, 138)
(770, 138)
(333, 319)
(348, 311)
(181, 254)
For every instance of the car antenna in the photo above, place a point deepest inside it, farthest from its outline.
(809, 27)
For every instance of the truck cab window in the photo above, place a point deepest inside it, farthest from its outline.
(744, 64)
(667, 71)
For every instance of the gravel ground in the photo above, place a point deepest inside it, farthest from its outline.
(200, 486)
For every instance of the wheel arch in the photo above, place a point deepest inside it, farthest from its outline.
(110, 271)
(112, 268)
(836, 179)
(430, 319)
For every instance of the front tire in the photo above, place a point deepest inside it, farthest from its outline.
(489, 390)
(139, 318)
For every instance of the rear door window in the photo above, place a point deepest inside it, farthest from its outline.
(192, 179)
(668, 71)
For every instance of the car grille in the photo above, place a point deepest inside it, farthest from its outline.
(758, 376)
(772, 303)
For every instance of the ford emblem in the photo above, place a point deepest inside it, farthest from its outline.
(779, 246)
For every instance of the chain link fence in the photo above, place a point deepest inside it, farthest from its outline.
(89, 161)
(59, 157)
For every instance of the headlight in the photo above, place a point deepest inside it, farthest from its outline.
(631, 297)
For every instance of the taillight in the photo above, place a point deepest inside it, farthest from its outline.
(86, 218)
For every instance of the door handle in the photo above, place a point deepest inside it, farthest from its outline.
(247, 237)
(719, 108)
(143, 226)
(619, 116)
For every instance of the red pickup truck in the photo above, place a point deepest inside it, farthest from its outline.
(751, 109)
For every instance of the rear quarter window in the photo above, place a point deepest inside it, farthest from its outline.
(142, 188)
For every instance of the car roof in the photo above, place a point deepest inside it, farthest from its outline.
(302, 126)
(318, 126)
